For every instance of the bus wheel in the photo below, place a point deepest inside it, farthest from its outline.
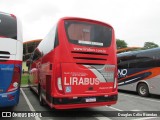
(41, 101)
(29, 85)
(143, 90)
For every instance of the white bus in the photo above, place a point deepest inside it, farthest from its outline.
(140, 71)
(11, 47)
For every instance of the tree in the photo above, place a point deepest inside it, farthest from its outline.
(121, 44)
(149, 45)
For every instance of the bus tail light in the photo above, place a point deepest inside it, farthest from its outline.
(110, 75)
(59, 83)
(59, 79)
(15, 79)
(115, 83)
(110, 72)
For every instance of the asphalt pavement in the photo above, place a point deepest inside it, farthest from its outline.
(130, 106)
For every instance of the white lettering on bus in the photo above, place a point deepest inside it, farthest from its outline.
(122, 72)
(81, 81)
(90, 50)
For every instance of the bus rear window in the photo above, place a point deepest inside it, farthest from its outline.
(88, 34)
(8, 26)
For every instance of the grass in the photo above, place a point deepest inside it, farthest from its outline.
(24, 79)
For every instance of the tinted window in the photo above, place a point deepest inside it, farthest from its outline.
(56, 39)
(122, 65)
(124, 61)
(8, 26)
(88, 34)
(142, 60)
(157, 59)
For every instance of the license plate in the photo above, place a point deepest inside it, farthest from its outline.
(90, 99)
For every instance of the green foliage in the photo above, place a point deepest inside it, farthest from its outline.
(121, 44)
(24, 79)
(149, 45)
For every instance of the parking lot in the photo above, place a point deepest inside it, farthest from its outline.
(128, 103)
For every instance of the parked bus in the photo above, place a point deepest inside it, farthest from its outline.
(74, 66)
(140, 71)
(10, 59)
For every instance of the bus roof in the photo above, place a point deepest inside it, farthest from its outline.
(130, 53)
(85, 19)
(4, 13)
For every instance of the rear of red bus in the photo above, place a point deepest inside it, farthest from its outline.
(84, 67)
(10, 60)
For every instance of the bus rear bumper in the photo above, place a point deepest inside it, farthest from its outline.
(73, 106)
(9, 99)
(64, 103)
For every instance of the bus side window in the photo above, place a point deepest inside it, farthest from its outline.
(146, 62)
(157, 60)
(123, 64)
(56, 39)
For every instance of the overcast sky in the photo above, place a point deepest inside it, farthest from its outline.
(135, 21)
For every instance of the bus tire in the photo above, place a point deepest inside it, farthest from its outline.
(41, 101)
(30, 88)
(29, 84)
(143, 89)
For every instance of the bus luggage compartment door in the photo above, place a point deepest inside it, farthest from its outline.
(87, 79)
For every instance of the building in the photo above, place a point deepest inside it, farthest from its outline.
(28, 48)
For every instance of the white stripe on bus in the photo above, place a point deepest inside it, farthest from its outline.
(98, 74)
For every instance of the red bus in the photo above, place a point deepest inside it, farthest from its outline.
(74, 66)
